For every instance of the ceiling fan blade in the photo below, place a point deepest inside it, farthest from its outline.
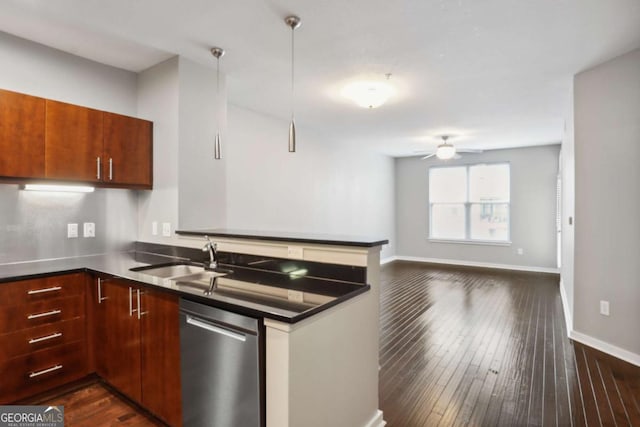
(429, 156)
(469, 150)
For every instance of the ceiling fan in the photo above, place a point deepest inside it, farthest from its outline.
(446, 150)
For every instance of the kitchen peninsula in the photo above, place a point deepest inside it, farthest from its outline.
(320, 362)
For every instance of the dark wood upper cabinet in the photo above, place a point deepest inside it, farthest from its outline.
(73, 142)
(21, 135)
(52, 140)
(127, 150)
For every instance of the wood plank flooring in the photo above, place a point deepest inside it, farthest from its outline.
(94, 405)
(489, 348)
(460, 347)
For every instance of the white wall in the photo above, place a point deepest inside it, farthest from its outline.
(533, 208)
(325, 187)
(607, 201)
(33, 226)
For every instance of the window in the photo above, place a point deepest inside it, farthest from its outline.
(470, 203)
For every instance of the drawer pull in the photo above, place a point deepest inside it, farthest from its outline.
(44, 371)
(41, 291)
(45, 314)
(48, 337)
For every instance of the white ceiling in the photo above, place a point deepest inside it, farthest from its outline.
(497, 73)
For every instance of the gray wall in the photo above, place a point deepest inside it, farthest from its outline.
(202, 179)
(607, 201)
(533, 210)
(325, 187)
(158, 95)
(33, 225)
(568, 211)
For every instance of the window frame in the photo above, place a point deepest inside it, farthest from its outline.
(467, 207)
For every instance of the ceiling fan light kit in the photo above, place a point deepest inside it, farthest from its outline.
(447, 151)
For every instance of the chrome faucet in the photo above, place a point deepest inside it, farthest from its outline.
(213, 253)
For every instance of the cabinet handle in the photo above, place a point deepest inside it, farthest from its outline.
(45, 371)
(45, 314)
(140, 312)
(98, 168)
(110, 169)
(48, 337)
(41, 291)
(100, 297)
(131, 309)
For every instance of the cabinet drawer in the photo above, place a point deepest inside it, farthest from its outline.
(26, 341)
(27, 375)
(15, 318)
(33, 290)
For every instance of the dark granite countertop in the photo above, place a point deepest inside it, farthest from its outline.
(321, 239)
(325, 292)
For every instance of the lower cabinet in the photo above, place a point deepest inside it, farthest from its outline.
(137, 345)
(42, 335)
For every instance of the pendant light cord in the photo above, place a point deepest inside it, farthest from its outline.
(292, 72)
(218, 94)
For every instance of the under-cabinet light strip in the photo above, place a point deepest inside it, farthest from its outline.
(59, 188)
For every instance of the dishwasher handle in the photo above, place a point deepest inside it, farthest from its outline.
(213, 328)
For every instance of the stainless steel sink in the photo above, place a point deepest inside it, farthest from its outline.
(172, 271)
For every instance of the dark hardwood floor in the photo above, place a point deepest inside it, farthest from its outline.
(94, 405)
(489, 348)
(459, 347)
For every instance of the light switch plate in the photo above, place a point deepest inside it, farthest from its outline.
(166, 229)
(604, 308)
(72, 231)
(154, 228)
(89, 229)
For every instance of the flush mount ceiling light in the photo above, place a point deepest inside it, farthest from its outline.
(217, 53)
(369, 94)
(292, 22)
(59, 188)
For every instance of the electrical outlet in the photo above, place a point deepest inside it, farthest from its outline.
(166, 229)
(520, 251)
(295, 252)
(89, 229)
(296, 296)
(154, 228)
(604, 308)
(72, 231)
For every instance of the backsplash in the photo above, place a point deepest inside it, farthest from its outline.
(33, 225)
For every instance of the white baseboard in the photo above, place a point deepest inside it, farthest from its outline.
(568, 317)
(477, 264)
(605, 347)
(387, 260)
(377, 420)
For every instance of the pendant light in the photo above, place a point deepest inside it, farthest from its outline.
(293, 22)
(217, 53)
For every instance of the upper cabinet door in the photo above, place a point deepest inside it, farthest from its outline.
(21, 135)
(128, 150)
(73, 142)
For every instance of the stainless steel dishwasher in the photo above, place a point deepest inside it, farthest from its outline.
(220, 364)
